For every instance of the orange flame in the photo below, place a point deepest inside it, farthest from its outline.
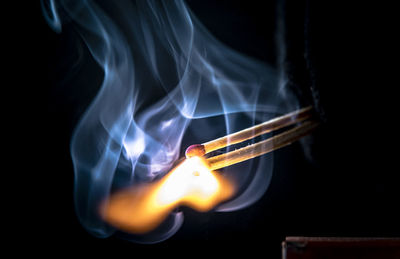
(143, 208)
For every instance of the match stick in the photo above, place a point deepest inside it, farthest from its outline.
(249, 133)
(262, 147)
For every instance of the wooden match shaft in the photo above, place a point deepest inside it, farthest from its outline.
(262, 147)
(257, 130)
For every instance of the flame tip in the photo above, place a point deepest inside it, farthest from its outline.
(191, 183)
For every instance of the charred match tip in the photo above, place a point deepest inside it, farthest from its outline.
(195, 150)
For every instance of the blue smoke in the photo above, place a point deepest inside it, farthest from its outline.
(165, 77)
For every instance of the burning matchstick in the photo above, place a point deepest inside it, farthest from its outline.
(194, 182)
(260, 148)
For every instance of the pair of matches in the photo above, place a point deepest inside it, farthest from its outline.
(302, 117)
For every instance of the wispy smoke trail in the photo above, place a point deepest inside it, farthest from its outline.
(165, 77)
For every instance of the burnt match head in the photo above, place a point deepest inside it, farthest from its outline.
(195, 150)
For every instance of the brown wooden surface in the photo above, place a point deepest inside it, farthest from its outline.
(336, 247)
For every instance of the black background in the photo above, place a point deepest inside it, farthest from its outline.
(350, 189)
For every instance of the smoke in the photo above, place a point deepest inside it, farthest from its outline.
(167, 83)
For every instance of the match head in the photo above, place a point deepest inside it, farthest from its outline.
(195, 150)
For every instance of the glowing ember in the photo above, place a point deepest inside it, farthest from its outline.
(143, 208)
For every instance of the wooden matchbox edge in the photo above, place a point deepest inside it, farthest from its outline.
(340, 247)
